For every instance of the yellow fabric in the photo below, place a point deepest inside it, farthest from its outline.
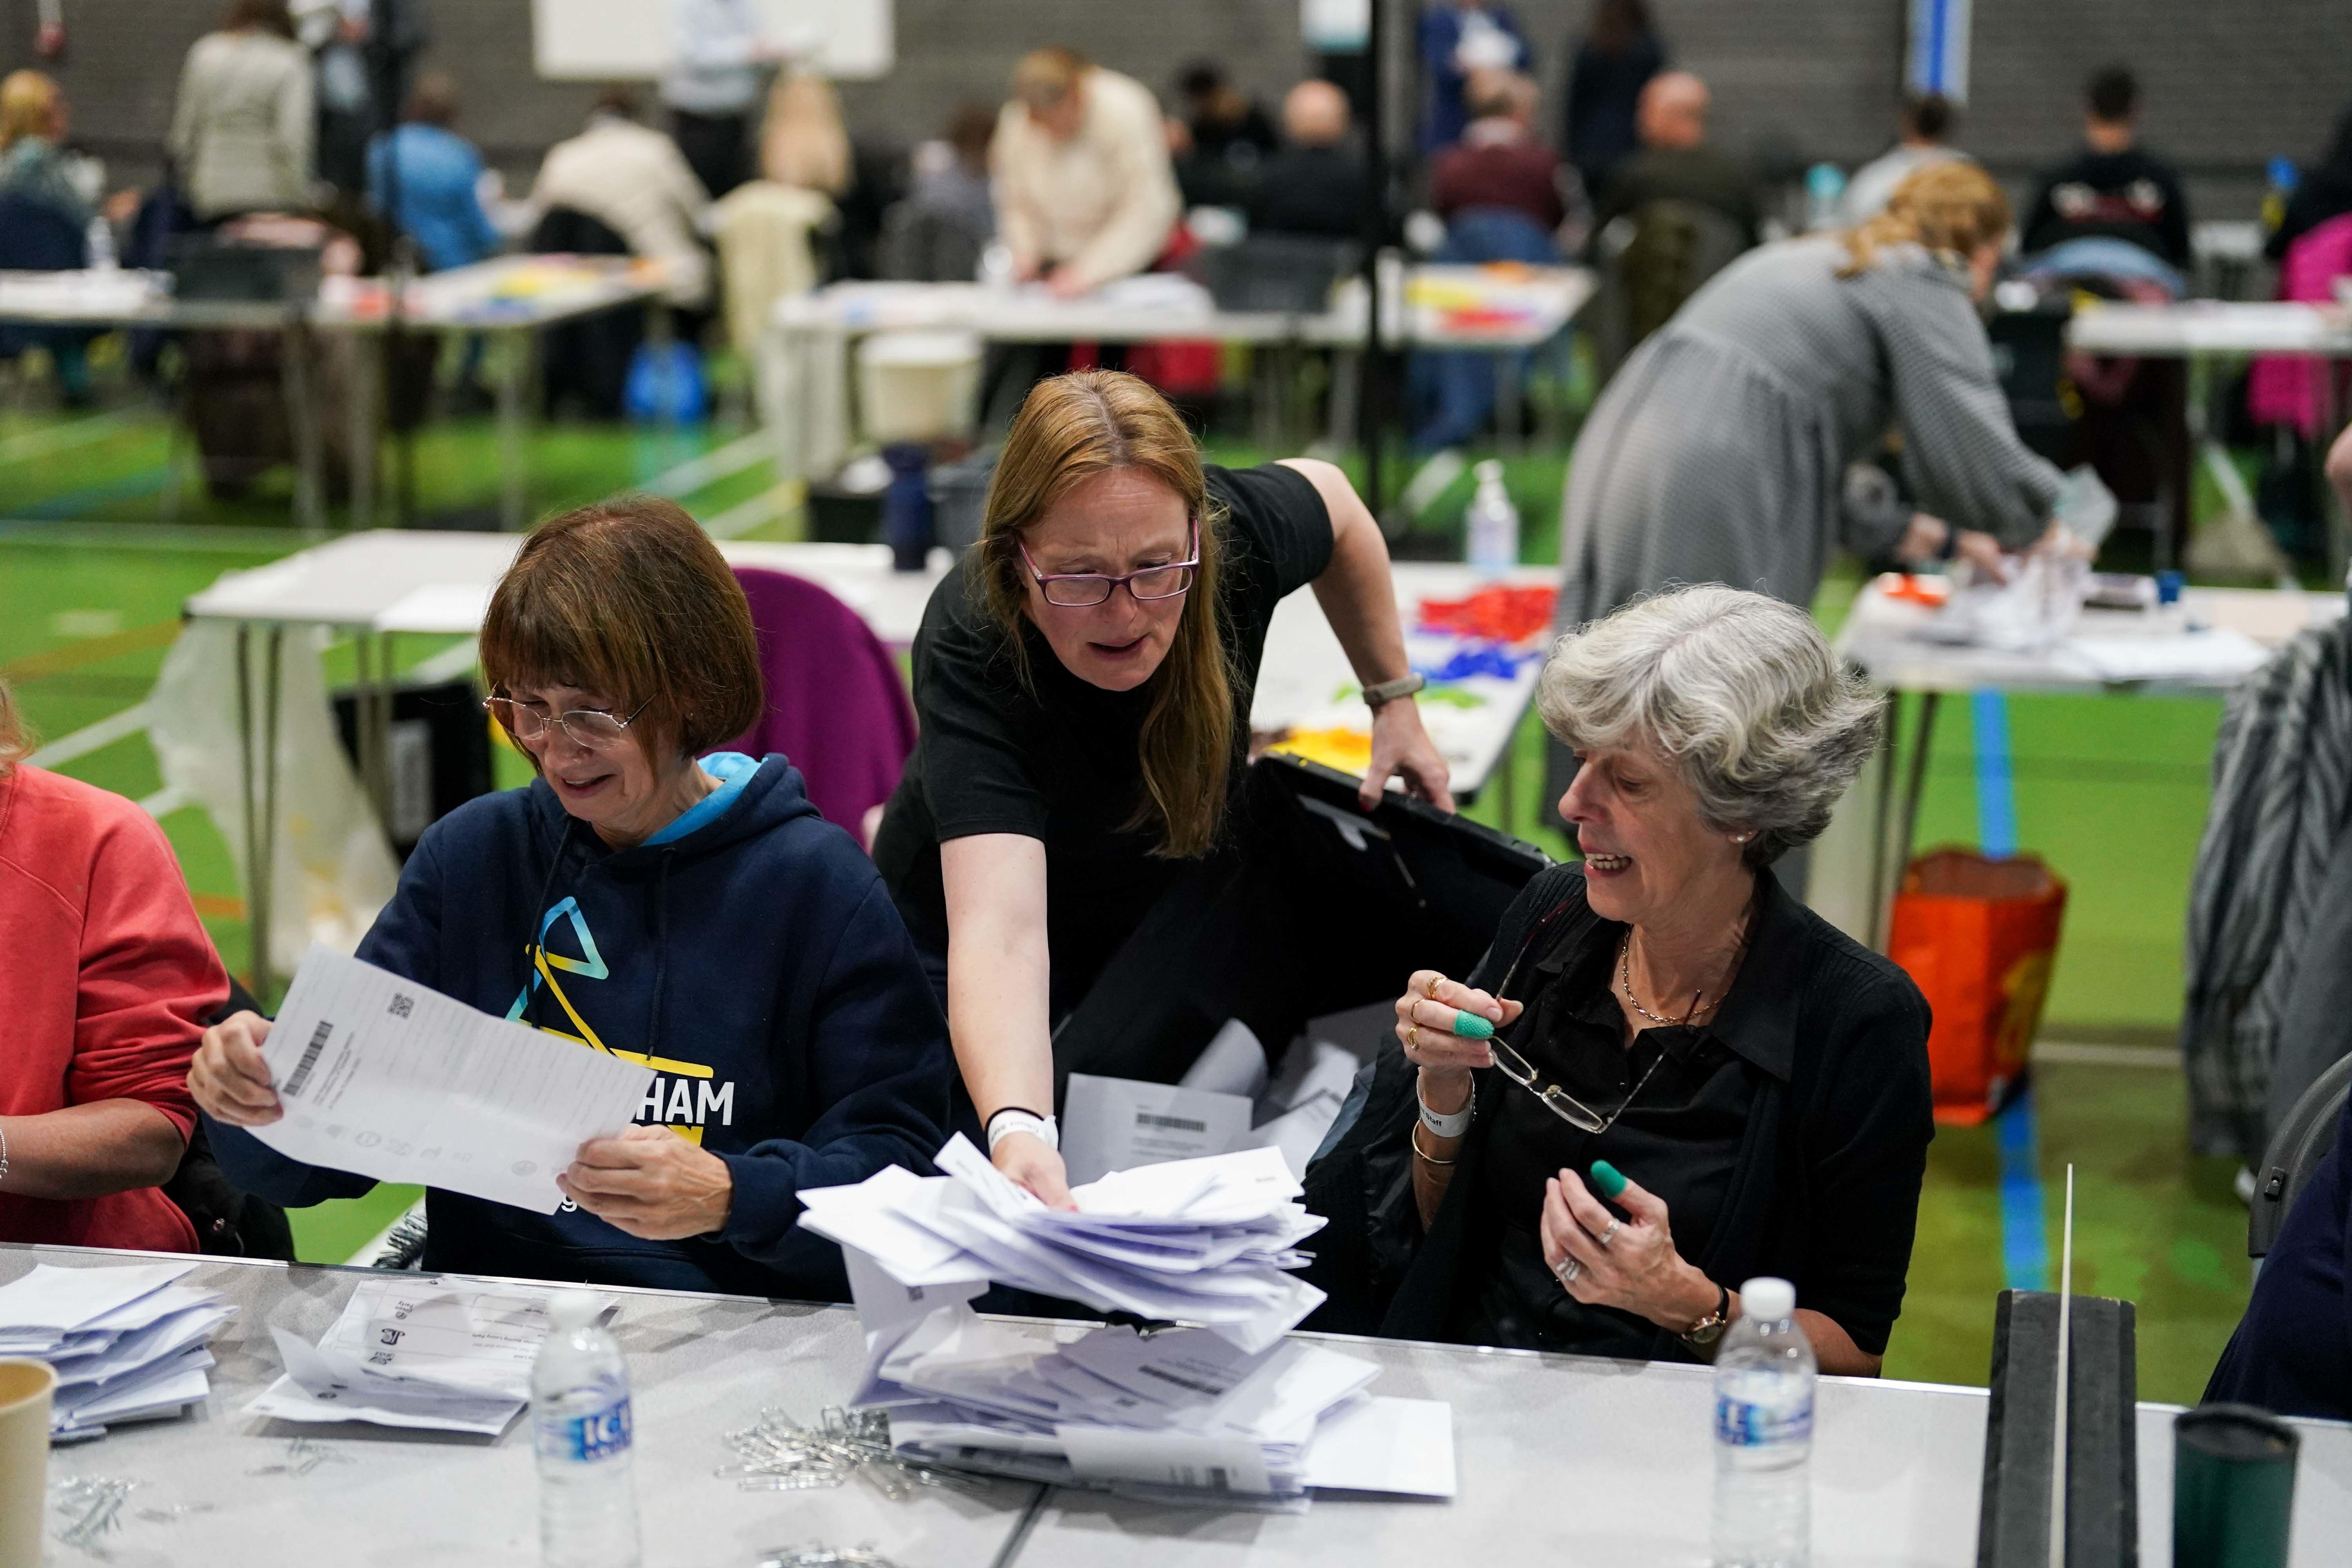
(765, 252)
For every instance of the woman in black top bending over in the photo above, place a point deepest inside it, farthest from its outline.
(1665, 1014)
(1068, 846)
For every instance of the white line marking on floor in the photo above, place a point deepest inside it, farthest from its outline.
(2094, 1053)
(62, 438)
(713, 465)
(105, 733)
(166, 801)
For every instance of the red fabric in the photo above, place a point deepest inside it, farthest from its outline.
(837, 706)
(2283, 389)
(1521, 175)
(106, 980)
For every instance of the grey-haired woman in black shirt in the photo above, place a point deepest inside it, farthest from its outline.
(1691, 1079)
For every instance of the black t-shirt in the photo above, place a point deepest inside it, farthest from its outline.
(1059, 759)
(2127, 196)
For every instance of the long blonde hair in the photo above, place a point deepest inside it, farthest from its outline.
(1951, 209)
(14, 744)
(1070, 428)
(804, 142)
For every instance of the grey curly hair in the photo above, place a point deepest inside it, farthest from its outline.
(1738, 690)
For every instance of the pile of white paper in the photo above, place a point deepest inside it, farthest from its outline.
(1195, 1241)
(412, 1351)
(129, 1344)
(1181, 1416)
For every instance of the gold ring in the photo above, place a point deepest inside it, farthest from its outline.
(1412, 1033)
(1431, 990)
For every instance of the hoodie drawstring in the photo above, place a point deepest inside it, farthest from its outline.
(661, 950)
(530, 986)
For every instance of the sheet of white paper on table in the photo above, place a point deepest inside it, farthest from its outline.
(1383, 1444)
(1165, 1458)
(54, 1298)
(1116, 1123)
(2213, 654)
(386, 1078)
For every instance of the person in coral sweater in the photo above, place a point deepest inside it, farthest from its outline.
(108, 980)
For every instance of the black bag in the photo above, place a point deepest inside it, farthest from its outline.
(229, 1223)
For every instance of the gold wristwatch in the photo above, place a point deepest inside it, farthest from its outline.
(1709, 1328)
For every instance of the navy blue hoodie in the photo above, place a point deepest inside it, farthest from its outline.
(755, 962)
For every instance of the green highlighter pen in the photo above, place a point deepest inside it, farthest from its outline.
(1606, 1177)
(1471, 1027)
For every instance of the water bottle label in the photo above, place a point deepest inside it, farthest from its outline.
(586, 1440)
(1743, 1425)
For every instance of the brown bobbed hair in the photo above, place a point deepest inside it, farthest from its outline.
(629, 598)
(1951, 209)
(14, 744)
(1070, 428)
(1044, 78)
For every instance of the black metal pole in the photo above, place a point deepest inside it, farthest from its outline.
(1371, 410)
(384, 58)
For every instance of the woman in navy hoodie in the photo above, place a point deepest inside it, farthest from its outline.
(699, 917)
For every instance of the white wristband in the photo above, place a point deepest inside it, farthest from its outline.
(1451, 1126)
(1008, 1121)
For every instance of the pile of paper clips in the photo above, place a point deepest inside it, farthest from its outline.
(818, 1556)
(780, 1454)
(84, 1508)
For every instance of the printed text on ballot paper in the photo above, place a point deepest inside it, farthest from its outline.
(385, 1078)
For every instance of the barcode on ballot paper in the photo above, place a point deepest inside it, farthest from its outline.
(1217, 1478)
(1180, 1124)
(302, 1073)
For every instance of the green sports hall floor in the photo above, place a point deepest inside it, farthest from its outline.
(2110, 791)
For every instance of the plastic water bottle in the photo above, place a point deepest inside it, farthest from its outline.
(1493, 523)
(580, 1427)
(103, 257)
(1764, 1376)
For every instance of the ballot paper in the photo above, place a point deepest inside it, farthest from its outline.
(415, 1350)
(383, 1076)
(1113, 1124)
(1202, 1241)
(128, 1344)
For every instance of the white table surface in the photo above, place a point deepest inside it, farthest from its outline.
(1535, 303)
(510, 291)
(1562, 1459)
(389, 580)
(1877, 635)
(2195, 327)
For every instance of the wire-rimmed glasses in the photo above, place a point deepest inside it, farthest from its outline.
(1556, 1099)
(1082, 590)
(592, 729)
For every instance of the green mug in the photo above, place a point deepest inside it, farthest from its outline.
(2232, 1488)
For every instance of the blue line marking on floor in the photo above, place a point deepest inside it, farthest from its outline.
(2024, 1237)
(1996, 789)
(75, 503)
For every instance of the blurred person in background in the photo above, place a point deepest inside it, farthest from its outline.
(439, 175)
(1500, 167)
(1677, 163)
(632, 180)
(347, 55)
(802, 142)
(2113, 189)
(712, 85)
(242, 132)
(1221, 141)
(1615, 60)
(1456, 40)
(1316, 185)
(1927, 121)
(107, 983)
(1084, 193)
(2322, 190)
(937, 234)
(33, 165)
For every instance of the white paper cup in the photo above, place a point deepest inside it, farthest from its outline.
(25, 1390)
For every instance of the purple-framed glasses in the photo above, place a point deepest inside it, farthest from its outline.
(1078, 590)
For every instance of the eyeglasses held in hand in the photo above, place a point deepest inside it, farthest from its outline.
(1079, 590)
(1521, 1071)
(592, 729)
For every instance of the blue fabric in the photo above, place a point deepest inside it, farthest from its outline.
(733, 770)
(2103, 256)
(440, 196)
(756, 963)
(2293, 1352)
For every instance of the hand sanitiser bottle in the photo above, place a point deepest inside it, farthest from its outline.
(580, 1427)
(1764, 1377)
(1492, 524)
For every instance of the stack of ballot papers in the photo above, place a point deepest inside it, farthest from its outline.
(1195, 1241)
(409, 1351)
(1182, 1416)
(129, 1344)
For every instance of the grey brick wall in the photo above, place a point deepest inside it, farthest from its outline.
(2229, 82)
